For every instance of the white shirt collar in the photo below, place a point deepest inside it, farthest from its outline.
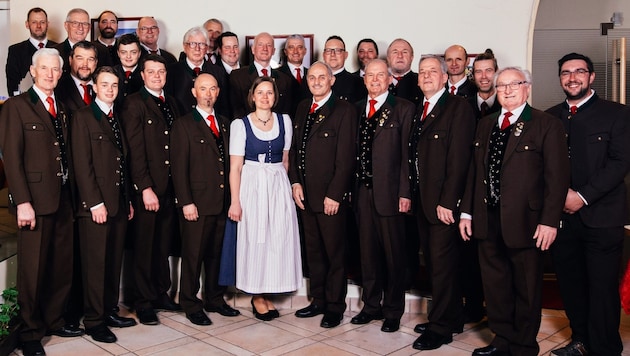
(380, 100)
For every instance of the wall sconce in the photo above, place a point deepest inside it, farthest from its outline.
(617, 18)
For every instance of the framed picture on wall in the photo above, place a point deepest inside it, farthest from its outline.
(278, 57)
(125, 25)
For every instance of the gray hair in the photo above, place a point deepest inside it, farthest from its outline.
(197, 30)
(46, 52)
(328, 69)
(438, 58)
(76, 10)
(524, 72)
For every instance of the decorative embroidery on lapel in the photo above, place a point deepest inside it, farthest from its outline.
(519, 128)
(384, 116)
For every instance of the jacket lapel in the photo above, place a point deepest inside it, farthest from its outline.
(42, 113)
(518, 130)
(205, 130)
(323, 113)
(435, 112)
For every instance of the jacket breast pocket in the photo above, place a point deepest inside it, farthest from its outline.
(526, 147)
(33, 127)
(436, 135)
(602, 137)
(327, 134)
(201, 140)
(391, 125)
(99, 136)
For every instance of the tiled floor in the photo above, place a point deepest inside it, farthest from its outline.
(288, 335)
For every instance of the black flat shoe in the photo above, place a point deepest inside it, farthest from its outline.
(101, 333)
(67, 331)
(489, 350)
(390, 325)
(147, 316)
(117, 321)
(364, 318)
(264, 317)
(165, 303)
(310, 311)
(422, 327)
(330, 320)
(430, 340)
(224, 310)
(33, 348)
(199, 318)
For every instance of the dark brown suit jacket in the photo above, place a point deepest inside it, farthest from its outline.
(199, 172)
(168, 56)
(68, 93)
(300, 91)
(31, 152)
(332, 135)
(19, 58)
(240, 82)
(149, 141)
(534, 177)
(390, 153)
(97, 161)
(181, 79)
(407, 88)
(441, 154)
(466, 90)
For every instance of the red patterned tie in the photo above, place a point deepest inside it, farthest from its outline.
(161, 98)
(453, 89)
(372, 108)
(213, 126)
(265, 72)
(87, 98)
(298, 76)
(40, 45)
(573, 110)
(51, 107)
(111, 114)
(128, 74)
(425, 110)
(506, 121)
(197, 70)
(313, 108)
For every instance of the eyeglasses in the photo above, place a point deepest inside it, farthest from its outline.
(148, 29)
(334, 50)
(77, 24)
(513, 85)
(197, 45)
(577, 72)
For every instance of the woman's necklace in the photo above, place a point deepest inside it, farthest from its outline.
(263, 121)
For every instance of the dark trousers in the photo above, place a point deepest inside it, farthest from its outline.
(44, 273)
(202, 241)
(153, 234)
(443, 244)
(512, 283)
(382, 244)
(324, 236)
(587, 262)
(470, 280)
(101, 259)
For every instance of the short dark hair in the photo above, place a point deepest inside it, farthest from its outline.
(85, 45)
(107, 12)
(223, 35)
(571, 56)
(335, 37)
(35, 9)
(487, 55)
(154, 58)
(367, 40)
(255, 84)
(127, 39)
(103, 69)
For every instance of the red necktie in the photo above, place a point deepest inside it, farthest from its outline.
(87, 98)
(197, 70)
(41, 45)
(313, 108)
(128, 74)
(265, 72)
(573, 110)
(161, 98)
(425, 110)
(298, 76)
(506, 121)
(111, 114)
(213, 126)
(453, 89)
(51, 107)
(398, 80)
(372, 108)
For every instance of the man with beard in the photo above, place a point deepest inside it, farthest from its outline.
(106, 41)
(588, 251)
(149, 33)
(367, 50)
(20, 54)
(75, 87)
(456, 59)
(484, 68)
(78, 26)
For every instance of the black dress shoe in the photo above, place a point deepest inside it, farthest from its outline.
(390, 325)
(330, 320)
(422, 327)
(274, 313)
(116, 321)
(101, 333)
(364, 318)
(268, 316)
(147, 316)
(310, 311)
(199, 318)
(575, 348)
(224, 310)
(430, 340)
(33, 348)
(489, 350)
(165, 303)
(67, 331)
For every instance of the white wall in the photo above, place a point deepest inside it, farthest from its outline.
(581, 14)
(430, 27)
